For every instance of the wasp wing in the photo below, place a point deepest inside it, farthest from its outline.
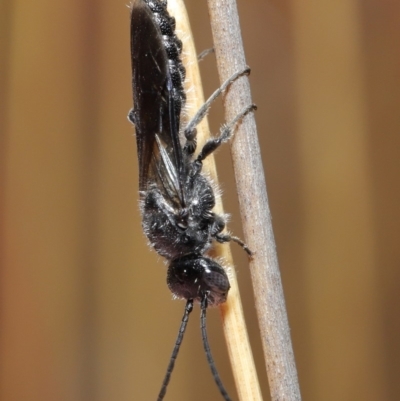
(155, 113)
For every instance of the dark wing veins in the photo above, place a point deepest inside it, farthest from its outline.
(155, 114)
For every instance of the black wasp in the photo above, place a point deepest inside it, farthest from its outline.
(176, 199)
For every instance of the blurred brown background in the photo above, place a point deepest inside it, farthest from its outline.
(85, 314)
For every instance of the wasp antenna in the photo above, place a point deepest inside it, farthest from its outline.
(207, 349)
(182, 329)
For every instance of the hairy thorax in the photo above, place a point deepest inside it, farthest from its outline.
(175, 231)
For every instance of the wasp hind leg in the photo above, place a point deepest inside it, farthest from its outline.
(226, 133)
(190, 131)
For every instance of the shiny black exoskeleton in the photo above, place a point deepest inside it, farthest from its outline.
(176, 198)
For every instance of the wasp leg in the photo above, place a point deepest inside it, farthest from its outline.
(204, 54)
(190, 131)
(227, 238)
(226, 133)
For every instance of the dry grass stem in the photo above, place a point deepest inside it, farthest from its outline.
(255, 214)
(232, 314)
